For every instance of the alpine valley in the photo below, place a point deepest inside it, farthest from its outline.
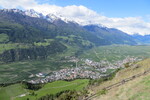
(50, 57)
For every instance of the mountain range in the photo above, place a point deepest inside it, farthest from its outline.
(53, 33)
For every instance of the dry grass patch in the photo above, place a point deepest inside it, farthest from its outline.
(131, 89)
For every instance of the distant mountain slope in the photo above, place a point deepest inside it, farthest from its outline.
(23, 28)
(112, 35)
(142, 39)
(135, 89)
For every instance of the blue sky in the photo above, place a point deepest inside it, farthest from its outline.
(110, 8)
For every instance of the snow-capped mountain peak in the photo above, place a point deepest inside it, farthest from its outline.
(30, 12)
(33, 13)
(51, 17)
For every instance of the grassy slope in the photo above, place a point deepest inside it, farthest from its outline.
(57, 86)
(10, 46)
(137, 89)
(4, 38)
(11, 92)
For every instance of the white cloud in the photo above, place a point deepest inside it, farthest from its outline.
(83, 15)
(17, 3)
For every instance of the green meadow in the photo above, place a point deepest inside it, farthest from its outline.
(10, 92)
(13, 92)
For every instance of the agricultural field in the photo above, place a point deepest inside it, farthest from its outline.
(17, 71)
(13, 92)
(116, 52)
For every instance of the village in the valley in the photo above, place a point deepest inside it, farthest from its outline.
(90, 70)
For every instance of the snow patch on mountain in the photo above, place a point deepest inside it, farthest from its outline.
(30, 12)
(33, 13)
